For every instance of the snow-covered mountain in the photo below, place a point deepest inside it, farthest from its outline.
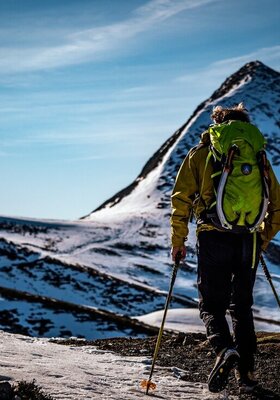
(78, 277)
(255, 84)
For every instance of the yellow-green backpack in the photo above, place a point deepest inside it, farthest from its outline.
(242, 190)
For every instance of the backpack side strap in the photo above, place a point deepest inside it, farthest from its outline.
(262, 162)
(226, 171)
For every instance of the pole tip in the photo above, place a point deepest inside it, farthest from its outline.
(147, 384)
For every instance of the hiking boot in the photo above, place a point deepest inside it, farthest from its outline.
(226, 360)
(246, 381)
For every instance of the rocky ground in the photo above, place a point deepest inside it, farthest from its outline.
(22, 391)
(192, 353)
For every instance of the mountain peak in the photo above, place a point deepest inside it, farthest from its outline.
(250, 70)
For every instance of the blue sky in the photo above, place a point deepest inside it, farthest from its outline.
(90, 89)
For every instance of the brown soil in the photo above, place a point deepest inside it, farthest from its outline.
(192, 353)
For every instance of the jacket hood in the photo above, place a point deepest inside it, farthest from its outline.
(205, 138)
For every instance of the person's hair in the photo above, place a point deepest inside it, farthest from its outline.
(237, 112)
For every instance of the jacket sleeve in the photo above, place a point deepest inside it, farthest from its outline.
(272, 220)
(182, 198)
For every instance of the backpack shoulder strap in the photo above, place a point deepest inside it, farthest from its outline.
(200, 199)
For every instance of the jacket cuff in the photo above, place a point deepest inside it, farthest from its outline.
(178, 242)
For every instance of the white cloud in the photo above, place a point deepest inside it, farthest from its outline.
(83, 159)
(218, 70)
(93, 43)
(268, 55)
(68, 138)
(158, 10)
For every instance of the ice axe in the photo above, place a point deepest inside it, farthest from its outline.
(268, 277)
(147, 383)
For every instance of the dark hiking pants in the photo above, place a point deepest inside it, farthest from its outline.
(226, 278)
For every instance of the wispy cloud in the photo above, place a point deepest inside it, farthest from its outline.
(269, 55)
(91, 44)
(220, 69)
(58, 138)
(159, 10)
(82, 159)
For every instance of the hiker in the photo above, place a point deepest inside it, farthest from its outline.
(229, 238)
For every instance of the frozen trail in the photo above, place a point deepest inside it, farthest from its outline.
(84, 373)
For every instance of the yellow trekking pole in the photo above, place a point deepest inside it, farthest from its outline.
(147, 383)
(268, 277)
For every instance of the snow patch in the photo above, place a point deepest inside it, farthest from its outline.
(86, 373)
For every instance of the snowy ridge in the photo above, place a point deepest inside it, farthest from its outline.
(117, 258)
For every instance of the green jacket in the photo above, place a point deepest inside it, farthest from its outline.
(194, 192)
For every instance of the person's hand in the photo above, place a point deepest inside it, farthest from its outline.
(176, 250)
